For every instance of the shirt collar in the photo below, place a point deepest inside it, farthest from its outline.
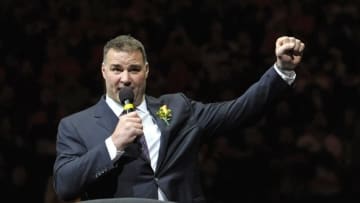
(142, 107)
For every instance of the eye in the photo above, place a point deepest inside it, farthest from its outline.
(116, 68)
(135, 69)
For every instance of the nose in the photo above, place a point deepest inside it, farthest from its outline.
(125, 78)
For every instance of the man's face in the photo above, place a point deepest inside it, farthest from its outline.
(121, 69)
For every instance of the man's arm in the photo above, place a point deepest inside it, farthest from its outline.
(77, 166)
(259, 96)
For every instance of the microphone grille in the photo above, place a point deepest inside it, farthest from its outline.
(126, 93)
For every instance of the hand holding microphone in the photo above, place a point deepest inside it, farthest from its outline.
(130, 125)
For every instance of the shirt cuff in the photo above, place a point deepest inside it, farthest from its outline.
(113, 152)
(287, 75)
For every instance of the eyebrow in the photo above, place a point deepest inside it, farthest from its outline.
(135, 66)
(115, 66)
(132, 66)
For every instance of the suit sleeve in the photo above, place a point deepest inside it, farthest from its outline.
(77, 166)
(248, 107)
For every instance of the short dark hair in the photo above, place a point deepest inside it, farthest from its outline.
(125, 43)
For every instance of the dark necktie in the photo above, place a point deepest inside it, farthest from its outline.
(143, 147)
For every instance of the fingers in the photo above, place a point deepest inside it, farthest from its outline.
(128, 128)
(285, 44)
(131, 121)
(301, 47)
(131, 114)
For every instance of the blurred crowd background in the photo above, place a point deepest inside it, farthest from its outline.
(304, 149)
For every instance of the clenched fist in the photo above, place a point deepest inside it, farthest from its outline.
(288, 51)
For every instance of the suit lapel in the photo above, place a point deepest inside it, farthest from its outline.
(153, 106)
(106, 117)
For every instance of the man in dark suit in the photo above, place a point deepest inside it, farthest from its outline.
(97, 155)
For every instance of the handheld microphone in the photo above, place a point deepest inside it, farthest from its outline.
(126, 97)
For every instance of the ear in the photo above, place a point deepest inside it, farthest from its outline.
(146, 70)
(103, 69)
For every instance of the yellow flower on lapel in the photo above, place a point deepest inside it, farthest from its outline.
(164, 114)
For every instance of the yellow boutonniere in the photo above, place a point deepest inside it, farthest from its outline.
(164, 114)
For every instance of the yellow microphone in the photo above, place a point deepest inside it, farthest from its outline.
(126, 97)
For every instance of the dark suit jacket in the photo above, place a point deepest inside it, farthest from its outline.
(83, 166)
